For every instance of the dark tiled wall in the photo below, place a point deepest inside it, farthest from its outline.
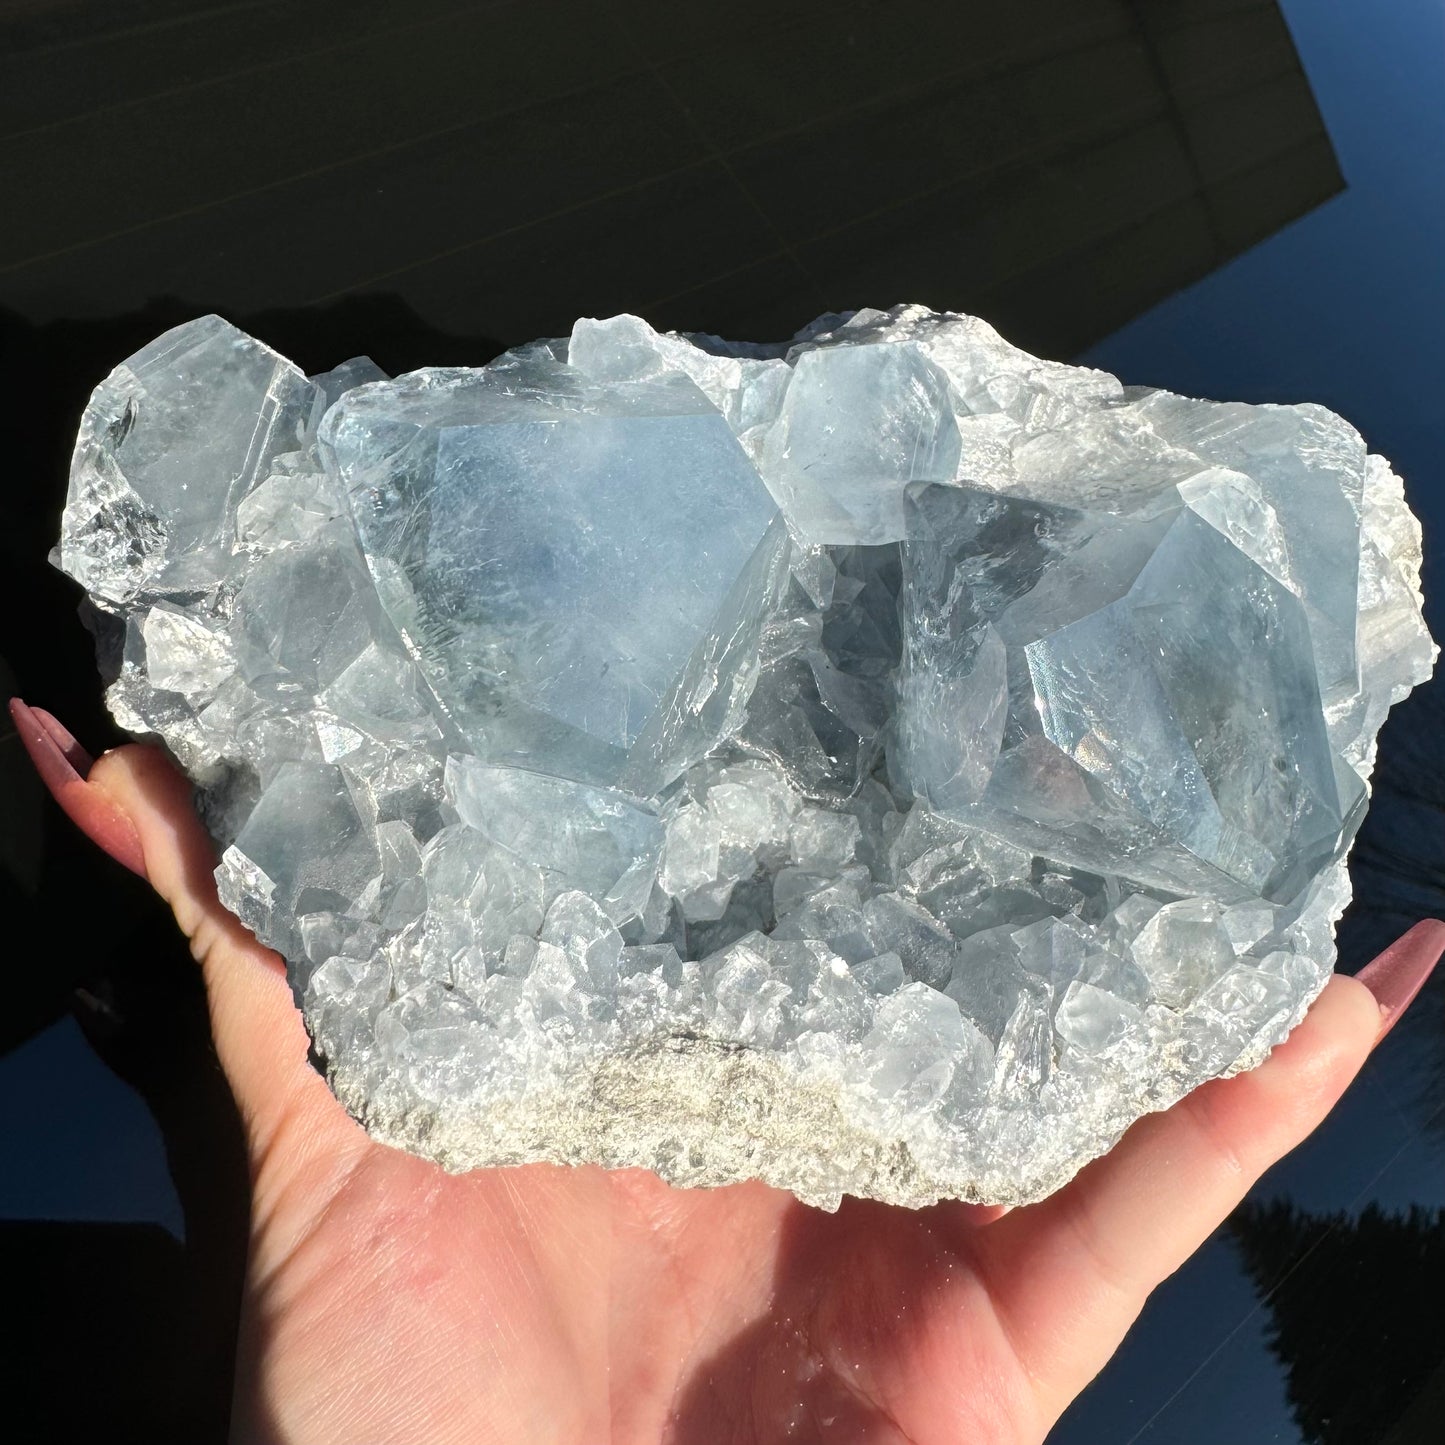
(503, 166)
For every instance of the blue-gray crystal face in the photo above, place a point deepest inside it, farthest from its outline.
(856, 425)
(560, 554)
(1126, 693)
(772, 761)
(176, 437)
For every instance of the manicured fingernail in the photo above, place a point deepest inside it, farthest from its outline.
(1399, 973)
(63, 739)
(63, 765)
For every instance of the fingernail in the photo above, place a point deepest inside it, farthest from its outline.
(61, 736)
(1399, 973)
(63, 766)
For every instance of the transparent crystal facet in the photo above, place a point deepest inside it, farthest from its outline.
(530, 539)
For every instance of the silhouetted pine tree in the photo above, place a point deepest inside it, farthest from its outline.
(1398, 862)
(1358, 1311)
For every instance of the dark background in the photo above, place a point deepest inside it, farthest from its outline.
(1231, 198)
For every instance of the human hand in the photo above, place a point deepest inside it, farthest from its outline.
(389, 1301)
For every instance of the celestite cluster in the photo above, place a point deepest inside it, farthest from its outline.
(884, 763)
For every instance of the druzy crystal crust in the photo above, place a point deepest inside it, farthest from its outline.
(883, 763)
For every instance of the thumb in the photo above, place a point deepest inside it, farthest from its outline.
(259, 1035)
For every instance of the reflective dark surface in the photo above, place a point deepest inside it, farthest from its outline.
(1231, 198)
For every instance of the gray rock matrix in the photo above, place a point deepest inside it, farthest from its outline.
(884, 763)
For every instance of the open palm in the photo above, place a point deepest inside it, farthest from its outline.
(388, 1301)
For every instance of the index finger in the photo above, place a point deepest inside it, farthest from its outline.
(1070, 1274)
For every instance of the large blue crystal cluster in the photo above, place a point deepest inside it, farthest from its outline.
(883, 763)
